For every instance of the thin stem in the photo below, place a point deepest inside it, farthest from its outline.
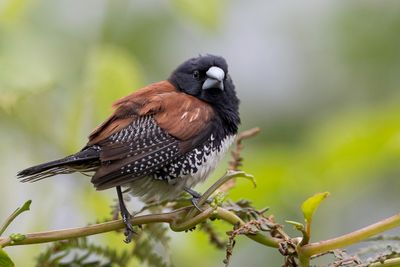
(233, 219)
(226, 177)
(307, 235)
(172, 218)
(49, 236)
(192, 222)
(386, 263)
(237, 159)
(304, 261)
(351, 238)
(14, 215)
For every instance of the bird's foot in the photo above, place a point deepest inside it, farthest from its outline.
(129, 231)
(195, 198)
(195, 202)
(126, 217)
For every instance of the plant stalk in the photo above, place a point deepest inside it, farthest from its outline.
(350, 238)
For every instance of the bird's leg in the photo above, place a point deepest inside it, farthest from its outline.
(126, 216)
(195, 197)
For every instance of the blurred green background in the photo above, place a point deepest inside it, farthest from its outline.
(321, 78)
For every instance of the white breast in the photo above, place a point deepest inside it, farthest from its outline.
(149, 189)
(209, 162)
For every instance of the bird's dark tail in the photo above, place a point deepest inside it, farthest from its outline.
(85, 160)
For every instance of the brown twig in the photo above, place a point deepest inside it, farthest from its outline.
(237, 159)
(180, 219)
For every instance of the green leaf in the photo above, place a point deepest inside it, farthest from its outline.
(25, 207)
(16, 237)
(5, 260)
(311, 204)
(297, 225)
(218, 199)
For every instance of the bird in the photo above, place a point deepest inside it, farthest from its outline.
(160, 140)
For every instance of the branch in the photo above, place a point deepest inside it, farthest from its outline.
(187, 217)
(233, 219)
(351, 238)
(172, 218)
(56, 235)
(179, 220)
(237, 159)
(390, 262)
(229, 175)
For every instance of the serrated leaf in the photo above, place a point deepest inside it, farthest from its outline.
(5, 260)
(311, 204)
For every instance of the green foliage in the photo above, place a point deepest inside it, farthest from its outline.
(59, 74)
(81, 252)
(145, 246)
(18, 211)
(5, 260)
(16, 237)
(311, 204)
(297, 225)
(254, 221)
(25, 207)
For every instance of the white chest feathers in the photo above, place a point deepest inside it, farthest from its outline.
(211, 155)
(189, 170)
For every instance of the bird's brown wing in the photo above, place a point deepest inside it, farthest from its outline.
(148, 130)
(127, 110)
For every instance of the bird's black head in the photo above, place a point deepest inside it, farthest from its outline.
(207, 78)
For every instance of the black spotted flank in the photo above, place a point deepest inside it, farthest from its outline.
(190, 163)
(134, 152)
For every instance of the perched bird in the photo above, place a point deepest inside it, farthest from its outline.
(161, 140)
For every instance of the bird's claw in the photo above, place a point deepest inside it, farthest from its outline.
(126, 217)
(195, 202)
(195, 198)
(129, 231)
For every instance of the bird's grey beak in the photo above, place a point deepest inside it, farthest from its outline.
(215, 78)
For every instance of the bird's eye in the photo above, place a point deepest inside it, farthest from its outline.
(196, 74)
